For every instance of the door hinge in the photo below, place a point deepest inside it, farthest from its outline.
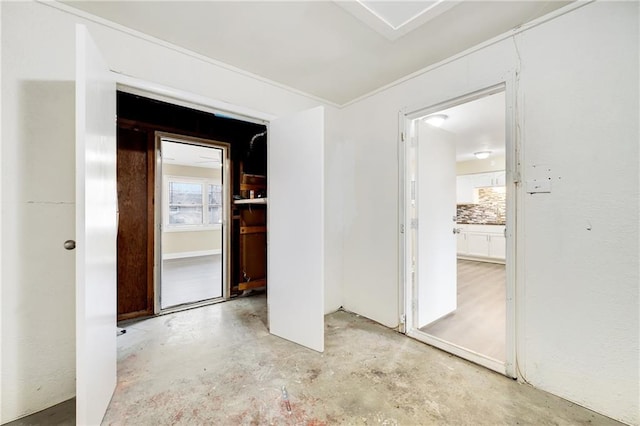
(402, 136)
(516, 178)
(402, 228)
(403, 319)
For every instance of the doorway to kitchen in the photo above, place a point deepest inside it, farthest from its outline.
(457, 262)
(192, 213)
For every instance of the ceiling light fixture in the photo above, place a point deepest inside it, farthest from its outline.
(436, 120)
(481, 155)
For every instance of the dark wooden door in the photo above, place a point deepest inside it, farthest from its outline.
(135, 171)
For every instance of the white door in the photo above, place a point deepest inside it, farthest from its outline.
(295, 226)
(436, 211)
(95, 232)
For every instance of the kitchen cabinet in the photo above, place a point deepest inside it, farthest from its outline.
(481, 242)
(489, 179)
(477, 244)
(484, 180)
(497, 246)
(461, 241)
(466, 185)
(500, 178)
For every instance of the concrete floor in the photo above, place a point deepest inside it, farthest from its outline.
(219, 365)
(63, 414)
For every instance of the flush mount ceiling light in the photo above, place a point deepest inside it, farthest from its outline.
(481, 155)
(436, 120)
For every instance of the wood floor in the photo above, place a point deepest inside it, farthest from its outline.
(190, 280)
(479, 322)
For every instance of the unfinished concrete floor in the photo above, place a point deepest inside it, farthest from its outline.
(219, 365)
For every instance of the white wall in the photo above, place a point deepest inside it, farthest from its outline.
(492, 164)
(38, 307)
(577, 110)
(1, 215)
(191, 243)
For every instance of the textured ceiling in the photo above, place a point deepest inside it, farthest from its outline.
(316, 46)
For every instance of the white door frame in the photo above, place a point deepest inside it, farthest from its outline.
(159, 214)
(406, 269)
(179, 97)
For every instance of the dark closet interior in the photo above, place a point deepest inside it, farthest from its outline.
(138, 118)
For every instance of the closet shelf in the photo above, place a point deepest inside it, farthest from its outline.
(251, 201)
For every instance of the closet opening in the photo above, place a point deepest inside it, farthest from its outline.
(183, 179)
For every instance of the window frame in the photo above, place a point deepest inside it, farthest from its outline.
(205, 182)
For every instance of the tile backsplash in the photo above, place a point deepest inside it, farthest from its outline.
(491, 207)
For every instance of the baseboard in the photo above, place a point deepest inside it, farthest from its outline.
(482, 259)
(185, 254)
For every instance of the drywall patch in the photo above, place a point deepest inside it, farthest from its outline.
(539, 179)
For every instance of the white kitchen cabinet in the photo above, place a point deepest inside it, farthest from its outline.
(500, 178)
(461, 239)
(477, 244)
(466, 185)
(497, 246)
(483, 180)
(481, 242)
(490, 179)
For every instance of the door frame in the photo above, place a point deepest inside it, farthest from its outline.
(159, 136)
(407, 281)
(159, 92)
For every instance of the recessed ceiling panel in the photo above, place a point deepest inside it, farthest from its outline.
(394, 19)
(398, 13)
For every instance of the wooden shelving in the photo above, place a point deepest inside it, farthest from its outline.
(252, 231)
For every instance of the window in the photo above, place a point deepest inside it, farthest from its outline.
(185, 203)
(215, 204)
(193, 203)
